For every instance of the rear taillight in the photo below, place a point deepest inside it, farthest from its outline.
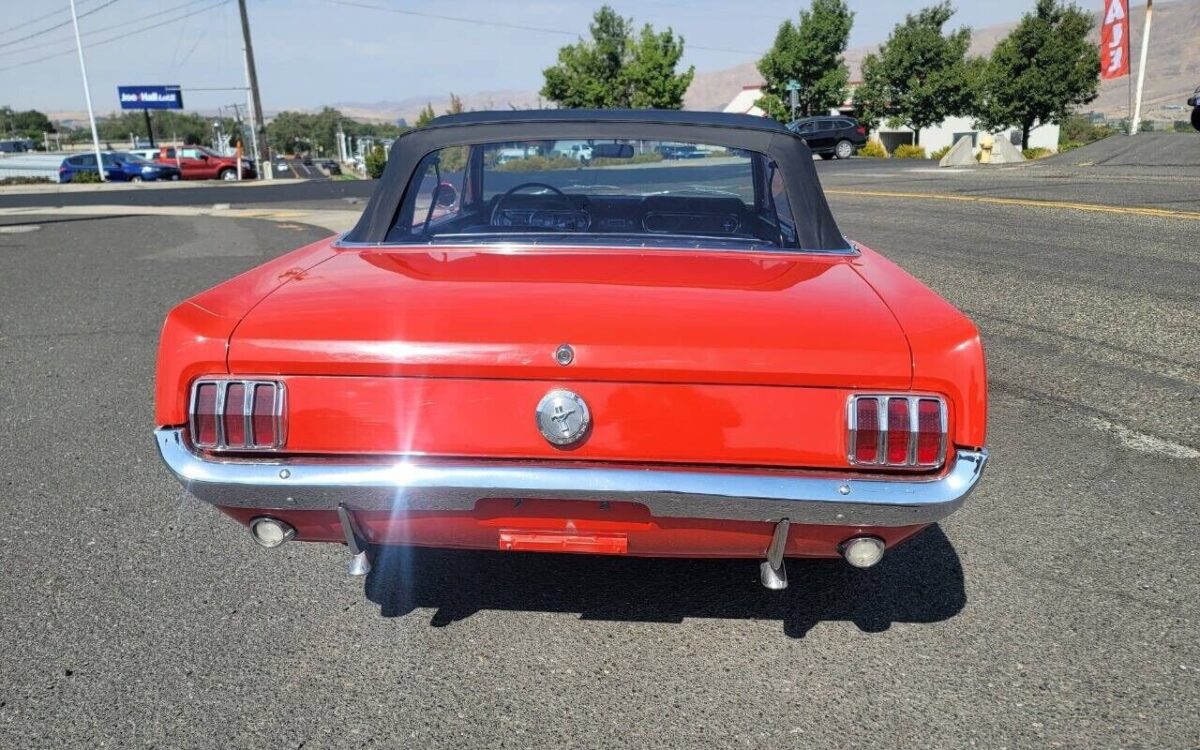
(897, 430)
(237, 414)
(862, 130)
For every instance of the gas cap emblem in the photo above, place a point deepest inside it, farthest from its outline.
(563, 417)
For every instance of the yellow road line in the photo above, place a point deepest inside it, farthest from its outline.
(1029, 202)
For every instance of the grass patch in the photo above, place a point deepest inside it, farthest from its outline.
(25, 181)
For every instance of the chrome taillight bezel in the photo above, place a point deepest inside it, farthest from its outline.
(881, 415)
(249, 388)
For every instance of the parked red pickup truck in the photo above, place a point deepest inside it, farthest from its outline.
(200, 163)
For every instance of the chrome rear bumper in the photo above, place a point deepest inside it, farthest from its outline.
(423, 483)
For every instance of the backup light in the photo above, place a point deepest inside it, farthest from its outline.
(271, 532)
(897, 430)
(863, 551)
(243, 415)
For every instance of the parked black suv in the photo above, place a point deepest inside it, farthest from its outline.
(830, 136)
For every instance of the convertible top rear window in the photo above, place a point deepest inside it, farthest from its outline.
(607, 191)
(630, 178)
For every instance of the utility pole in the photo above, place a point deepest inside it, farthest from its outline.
(1137, 106)
(87, 94)
(259, 130)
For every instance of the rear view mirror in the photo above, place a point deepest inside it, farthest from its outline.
(612, 151)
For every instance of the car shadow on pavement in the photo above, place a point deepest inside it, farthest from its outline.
(921, 581)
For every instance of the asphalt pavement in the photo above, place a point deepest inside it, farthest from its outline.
(1058, 608)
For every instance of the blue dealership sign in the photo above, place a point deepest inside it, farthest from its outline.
(150, 97)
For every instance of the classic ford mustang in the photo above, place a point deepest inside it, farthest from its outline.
(516, 350)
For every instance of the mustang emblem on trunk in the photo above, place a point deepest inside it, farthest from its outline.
(562, 417)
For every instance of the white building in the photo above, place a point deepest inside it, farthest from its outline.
(745, 102)
(942, 135)
(948, 131)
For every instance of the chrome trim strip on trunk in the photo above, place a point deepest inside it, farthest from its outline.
(840, 498)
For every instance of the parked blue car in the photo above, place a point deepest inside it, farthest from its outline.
(119, 166)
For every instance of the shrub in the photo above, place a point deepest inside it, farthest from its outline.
(538, 164)
(1079, 130)
(25, 180)
(908, 151)
(873, 150)
(645, 158)
(941, 152)
(376, 160)
(1065, 146)
(86, 177)
(1037, 152)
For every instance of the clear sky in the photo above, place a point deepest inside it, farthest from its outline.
(313, 52)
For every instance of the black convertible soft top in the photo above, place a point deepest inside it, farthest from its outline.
(815, 225)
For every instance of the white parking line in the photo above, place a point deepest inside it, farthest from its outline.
(1140, 441)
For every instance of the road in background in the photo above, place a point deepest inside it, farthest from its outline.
(1161, 171)
(1059, 607)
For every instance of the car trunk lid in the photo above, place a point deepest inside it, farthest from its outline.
(629, 315)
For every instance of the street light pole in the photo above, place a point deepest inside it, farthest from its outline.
(87, 94)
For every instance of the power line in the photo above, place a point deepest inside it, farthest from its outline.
(503, 25)
(48, 29)
(102, 29)
(32, 21)
(119, 37)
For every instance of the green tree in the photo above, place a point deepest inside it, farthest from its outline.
(919, 76)
(289, 131)
(649, 75)
(168, 125)
(617, 68)
(375, 161)
(456, 105)
(1040, 72)
(426, 116)
(810, 53)
(29, 123)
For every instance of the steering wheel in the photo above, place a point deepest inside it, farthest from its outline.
(517, 188)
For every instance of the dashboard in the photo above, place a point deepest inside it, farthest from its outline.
(623, 214)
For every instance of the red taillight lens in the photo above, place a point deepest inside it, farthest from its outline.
(866, 430)
(235, 416)
(913, 435)
(265, 425)
(862, 130)
(204, 415)
(929, 432)
(898, 430)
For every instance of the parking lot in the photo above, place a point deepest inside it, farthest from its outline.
(1059, 608)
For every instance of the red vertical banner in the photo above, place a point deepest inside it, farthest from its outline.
(1114, 39)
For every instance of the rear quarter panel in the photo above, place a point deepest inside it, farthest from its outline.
(195, 336)
(947, 352)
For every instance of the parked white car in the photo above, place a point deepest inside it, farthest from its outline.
(580, 151)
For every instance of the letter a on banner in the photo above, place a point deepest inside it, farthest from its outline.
(1114, 40)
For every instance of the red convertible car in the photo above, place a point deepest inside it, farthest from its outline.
(637, 356)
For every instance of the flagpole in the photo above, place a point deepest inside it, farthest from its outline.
(1137, 101)
(87, 93)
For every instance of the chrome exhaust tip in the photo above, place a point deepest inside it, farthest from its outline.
(271, 532)
(862, 551)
